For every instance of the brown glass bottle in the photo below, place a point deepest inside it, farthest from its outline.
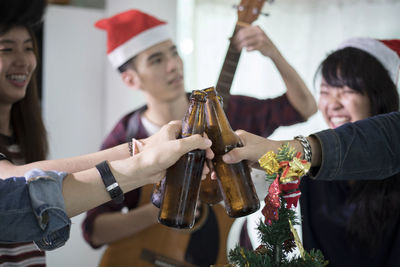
(210, 192)
(234, 180)
(182, 183)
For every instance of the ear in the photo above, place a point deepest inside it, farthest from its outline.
(131, 79)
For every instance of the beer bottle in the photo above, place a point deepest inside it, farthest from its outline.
(182, 183)
(234, 180)
(210, 192)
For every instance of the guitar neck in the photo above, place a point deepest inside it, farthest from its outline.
(227, 73)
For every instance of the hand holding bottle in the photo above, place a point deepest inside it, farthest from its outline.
(162, 150)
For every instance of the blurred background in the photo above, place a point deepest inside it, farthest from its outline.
(83, 97)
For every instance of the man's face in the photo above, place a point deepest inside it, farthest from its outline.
(159, 70)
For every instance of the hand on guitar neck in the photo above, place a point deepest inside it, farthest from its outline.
(253, 38)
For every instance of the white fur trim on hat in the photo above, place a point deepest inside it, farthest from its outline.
(389, 59)
(138, 44)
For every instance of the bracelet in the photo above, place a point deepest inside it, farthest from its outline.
(134, 146)
(130, 148)
(110, 183)
(306, 147)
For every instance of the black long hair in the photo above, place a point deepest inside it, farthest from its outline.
(377, 202)
(25, 118)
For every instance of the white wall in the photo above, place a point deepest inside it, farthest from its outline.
(72, 102)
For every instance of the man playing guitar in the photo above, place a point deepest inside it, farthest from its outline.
(141, 49)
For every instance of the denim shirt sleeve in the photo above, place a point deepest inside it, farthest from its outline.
(367, 149)
(32, 209)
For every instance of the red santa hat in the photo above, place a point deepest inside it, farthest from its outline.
(386, 51)
(131, 32)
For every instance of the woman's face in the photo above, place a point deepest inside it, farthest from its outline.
(340, 105)
(17, 63)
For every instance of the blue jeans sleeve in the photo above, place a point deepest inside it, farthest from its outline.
(32, 209)
(365, 150)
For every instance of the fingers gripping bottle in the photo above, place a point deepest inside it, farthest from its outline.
(182, 183)
(234, 180)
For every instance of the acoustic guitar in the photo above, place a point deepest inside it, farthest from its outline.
(159, 245)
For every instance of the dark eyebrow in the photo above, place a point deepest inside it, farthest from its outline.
(8, 41)
(159, 54)
(156, 54)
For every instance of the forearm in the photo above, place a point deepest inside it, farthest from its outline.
(85, 190)
(127, 224)
(70, 165)
(367, 149)
(314, 143)
(297, 92)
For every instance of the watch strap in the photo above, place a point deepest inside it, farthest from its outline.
(110, 183)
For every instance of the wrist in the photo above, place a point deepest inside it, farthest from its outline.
(110, 183)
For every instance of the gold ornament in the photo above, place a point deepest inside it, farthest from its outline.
(269, 162)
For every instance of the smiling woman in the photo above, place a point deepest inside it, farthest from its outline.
(341, 217)
(20, 104)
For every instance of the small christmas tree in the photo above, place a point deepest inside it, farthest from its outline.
(277, 234)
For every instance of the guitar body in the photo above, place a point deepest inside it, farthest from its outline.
(158, 238)
(163, 244)
(160, 245)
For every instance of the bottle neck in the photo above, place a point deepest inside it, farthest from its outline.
(218, 127)
(194, 121)
(216, 115)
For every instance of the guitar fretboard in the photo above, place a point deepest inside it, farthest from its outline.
(227, 73)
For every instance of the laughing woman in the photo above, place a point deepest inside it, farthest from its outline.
(350, 207)
(355, 223)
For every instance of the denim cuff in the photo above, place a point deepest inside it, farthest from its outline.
(45, 191)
